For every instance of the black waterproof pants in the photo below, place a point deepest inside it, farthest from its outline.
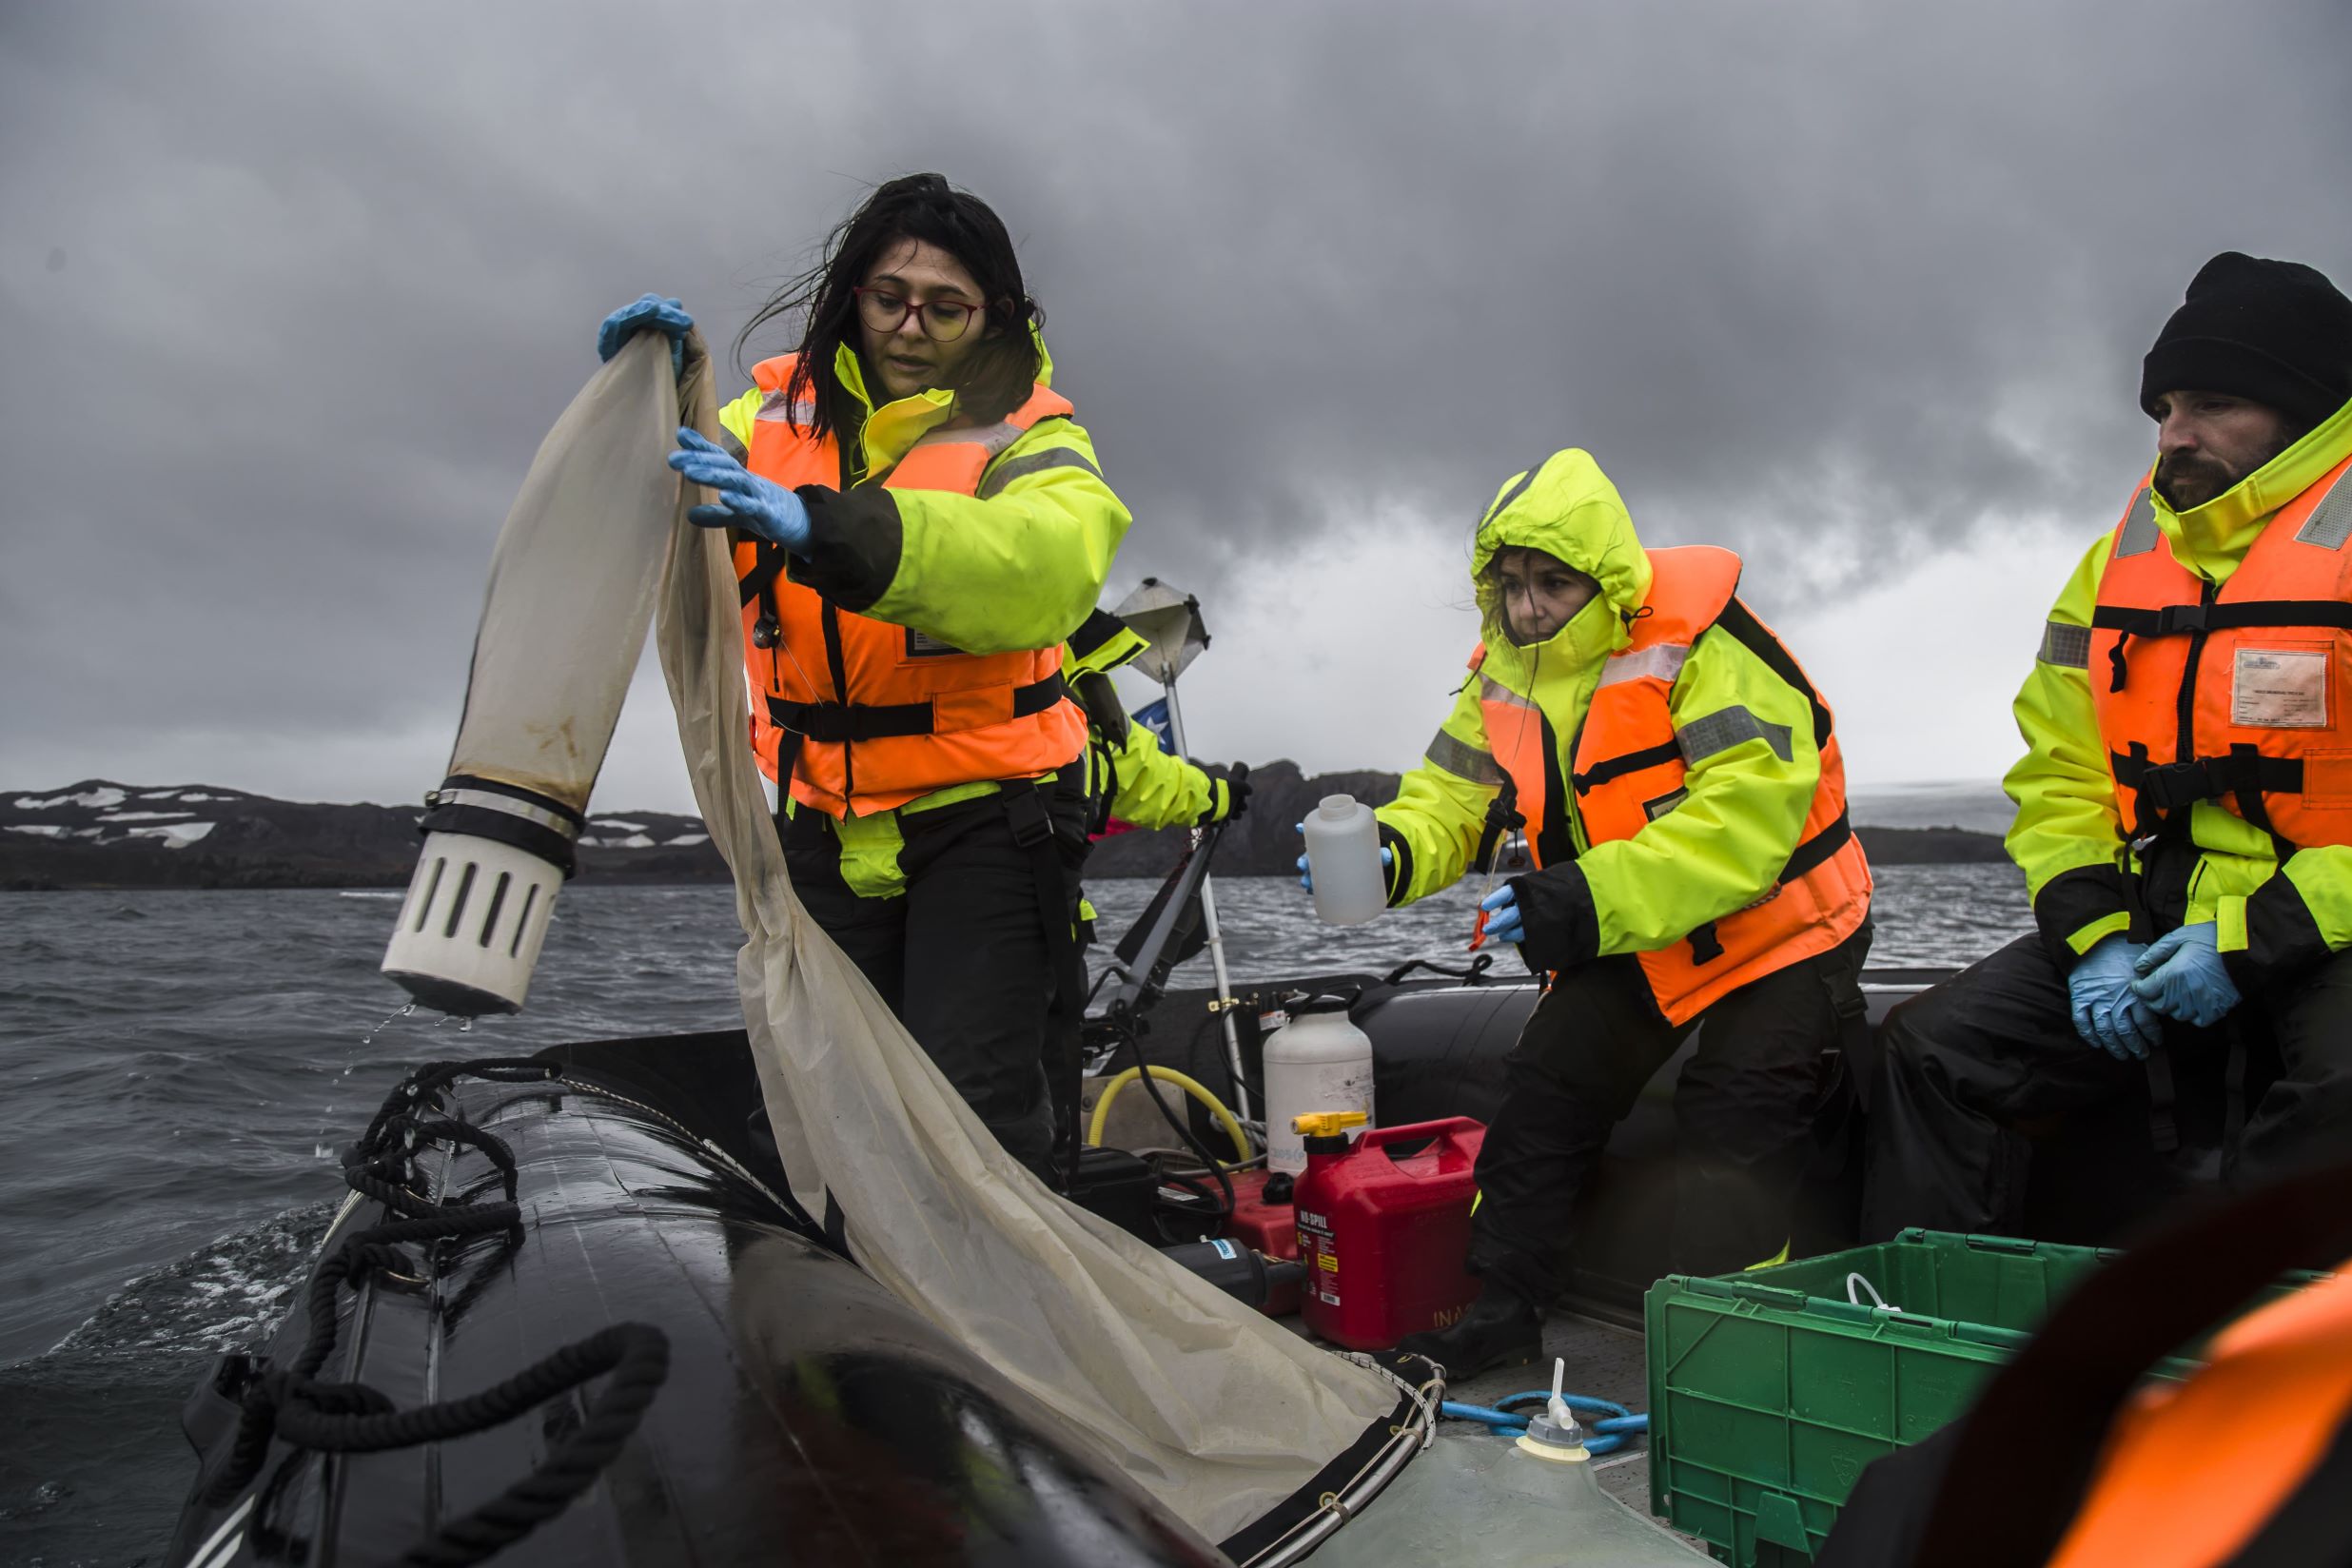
(963, 956)
(1744, 1108)
(1968, 1069)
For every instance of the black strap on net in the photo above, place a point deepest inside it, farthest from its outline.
(292, 1406)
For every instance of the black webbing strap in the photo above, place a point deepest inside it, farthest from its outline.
(1502, 818)
(1098, 628)
(1706, 945)
(1625, 762)
(447, 811)
(838, 723)
(2196, 620)
(2174, 620)
(763, 573)
(1749, 632)
(2241, 771)
(1817, 849)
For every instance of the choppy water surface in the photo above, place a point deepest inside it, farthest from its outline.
(181, 1066)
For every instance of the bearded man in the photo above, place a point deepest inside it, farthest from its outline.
(2184, 805)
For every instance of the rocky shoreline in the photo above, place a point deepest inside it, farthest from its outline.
(103, 834)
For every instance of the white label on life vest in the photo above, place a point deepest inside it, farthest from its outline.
(2279, 688)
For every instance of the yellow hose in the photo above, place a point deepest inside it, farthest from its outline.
(1215, 1107)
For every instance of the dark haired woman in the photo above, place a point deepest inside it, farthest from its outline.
(918, 524)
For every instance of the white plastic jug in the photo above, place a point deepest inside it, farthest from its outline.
(1318, 1061)
(1344, 857)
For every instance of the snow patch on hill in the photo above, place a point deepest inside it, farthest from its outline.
(176, 836)
(92, 798)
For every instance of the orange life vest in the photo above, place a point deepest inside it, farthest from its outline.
(2234, 694)
(2193, 1470)
(1628, 768)
(863, 715)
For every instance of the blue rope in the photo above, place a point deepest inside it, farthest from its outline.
(1610, 1433)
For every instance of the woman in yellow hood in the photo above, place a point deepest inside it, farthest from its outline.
(1672, 776)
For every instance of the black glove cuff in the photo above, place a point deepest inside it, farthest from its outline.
(1556, 905)
(856, 540)
(1399, 869)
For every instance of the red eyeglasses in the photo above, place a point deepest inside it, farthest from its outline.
(886, 310)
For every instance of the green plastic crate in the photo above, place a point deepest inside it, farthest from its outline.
(1769, 1391)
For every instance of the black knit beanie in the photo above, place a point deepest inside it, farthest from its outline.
(2277, 333)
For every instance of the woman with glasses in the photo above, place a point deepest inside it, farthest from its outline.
(918, 524)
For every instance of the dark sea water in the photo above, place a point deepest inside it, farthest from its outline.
(180, 1067)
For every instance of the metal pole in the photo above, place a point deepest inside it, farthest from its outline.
(1216, 937)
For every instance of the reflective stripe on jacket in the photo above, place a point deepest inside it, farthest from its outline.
(875, 710)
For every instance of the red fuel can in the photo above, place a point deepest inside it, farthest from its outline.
(1271, 1228)
(1385, 1239)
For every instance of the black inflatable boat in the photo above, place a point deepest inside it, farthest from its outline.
(574, 1312)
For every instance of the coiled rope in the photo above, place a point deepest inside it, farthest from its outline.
(295, 1406)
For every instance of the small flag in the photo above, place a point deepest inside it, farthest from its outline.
(1155, 717)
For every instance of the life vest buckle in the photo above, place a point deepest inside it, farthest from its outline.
(2170, 786)
(1024, 809)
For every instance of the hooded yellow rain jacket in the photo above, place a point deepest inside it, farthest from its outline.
(1749, 738)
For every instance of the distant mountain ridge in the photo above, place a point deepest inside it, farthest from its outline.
(100, 834)
(1266, 841)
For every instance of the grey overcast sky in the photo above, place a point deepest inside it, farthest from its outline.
(289, 295)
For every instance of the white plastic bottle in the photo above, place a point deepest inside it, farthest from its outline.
(1318, 1061)
(1344, 857)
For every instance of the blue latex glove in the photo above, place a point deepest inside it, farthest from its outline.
(1503, 921)
(761, 508)
(2108, 1012)
(646, 313)
(1306, 878)
(2182, 975)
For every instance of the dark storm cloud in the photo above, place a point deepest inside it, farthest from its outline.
(290, 296)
